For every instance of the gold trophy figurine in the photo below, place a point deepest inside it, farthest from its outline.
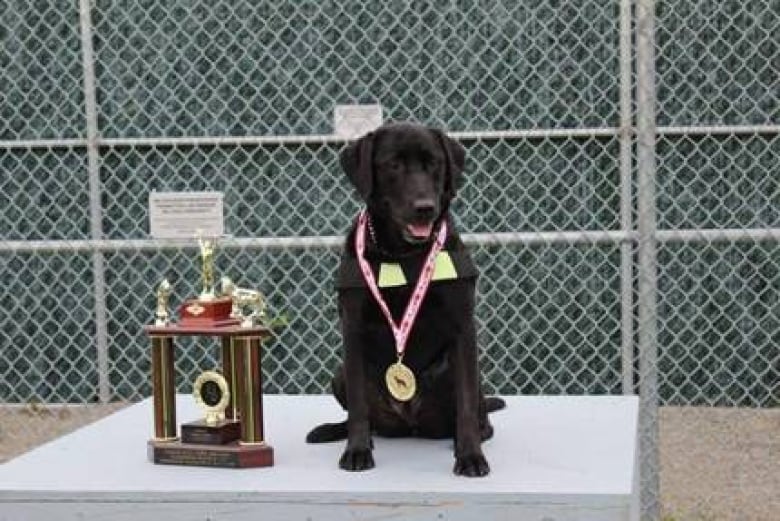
(241, 298)
(208, 308)
(161, 316)
(207, 247)
(229, 290)
(255, 301)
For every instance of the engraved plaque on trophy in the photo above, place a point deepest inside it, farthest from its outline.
(230, 432)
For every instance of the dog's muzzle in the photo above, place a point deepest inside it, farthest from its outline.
(421, 226)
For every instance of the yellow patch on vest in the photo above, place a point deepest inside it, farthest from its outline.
(390, 275)
(443, 268)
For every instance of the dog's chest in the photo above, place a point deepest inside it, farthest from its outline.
(436, 327)
(439, 321)
(397, 281)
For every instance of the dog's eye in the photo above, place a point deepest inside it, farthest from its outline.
(433, 163)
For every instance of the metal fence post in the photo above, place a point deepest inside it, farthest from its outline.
(647, 262)
(626, 255)
(93, 166)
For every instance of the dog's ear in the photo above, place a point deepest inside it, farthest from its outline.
(357, 162)
(455, 157)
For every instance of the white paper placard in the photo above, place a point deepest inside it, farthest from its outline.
(183, 215)
(351, 121)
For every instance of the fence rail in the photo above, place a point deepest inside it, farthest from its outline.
(337, 241)
(727, 130)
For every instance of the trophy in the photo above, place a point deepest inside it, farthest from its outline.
(230, 431)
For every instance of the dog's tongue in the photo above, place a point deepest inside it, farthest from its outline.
(420, 231)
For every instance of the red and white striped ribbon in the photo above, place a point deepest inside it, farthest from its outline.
(400, 331)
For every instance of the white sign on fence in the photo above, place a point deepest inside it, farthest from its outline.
(351, 121)
(182, 215)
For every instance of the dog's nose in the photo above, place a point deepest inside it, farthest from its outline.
(424, 209)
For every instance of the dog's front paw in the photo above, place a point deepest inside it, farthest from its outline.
(472, 465)
(357, 459)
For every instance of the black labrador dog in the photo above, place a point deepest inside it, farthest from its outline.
(407, 174)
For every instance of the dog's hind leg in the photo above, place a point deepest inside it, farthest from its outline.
(328, 432)
(488, 404)
(494, 403)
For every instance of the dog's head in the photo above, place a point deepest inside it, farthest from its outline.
(406, 173)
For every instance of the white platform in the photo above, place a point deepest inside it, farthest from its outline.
(552, 458)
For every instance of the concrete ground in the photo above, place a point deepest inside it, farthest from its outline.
(720, 464)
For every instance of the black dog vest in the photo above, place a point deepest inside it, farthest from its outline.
(453, 262)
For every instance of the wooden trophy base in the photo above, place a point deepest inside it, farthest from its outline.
(207, 313)
(199, 432)
(232, 455)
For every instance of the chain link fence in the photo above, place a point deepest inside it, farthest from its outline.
(622, 197)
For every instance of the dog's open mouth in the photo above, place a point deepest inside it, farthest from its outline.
(418, 232)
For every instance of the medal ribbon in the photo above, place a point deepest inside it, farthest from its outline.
(400, 331)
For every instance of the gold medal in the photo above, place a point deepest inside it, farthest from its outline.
(400, 382)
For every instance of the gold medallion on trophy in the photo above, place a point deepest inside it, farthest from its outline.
(212, 394)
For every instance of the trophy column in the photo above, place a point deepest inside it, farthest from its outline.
(163, 389)
(229, 372)
(250, 408)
